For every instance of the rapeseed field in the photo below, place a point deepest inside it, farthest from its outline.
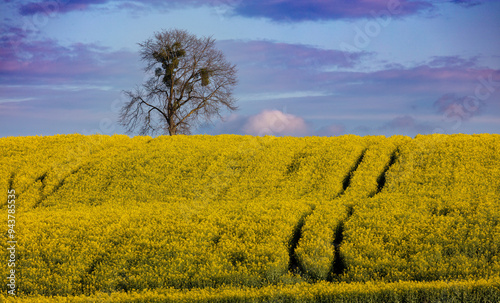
(251, 219)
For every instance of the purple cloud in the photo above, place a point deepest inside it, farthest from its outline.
(268, 54)
(453, 61)
(330, 130)
(60, 88)
(286, 79)
(423, 78)
(301, 10)
(34, 61)
(277, 10)
(53, 7)
(302, 78)
(276, 67)
(64, 6)
(43, 110)
(463, 107)
(407, 125)
(468, 3)
(309, 89)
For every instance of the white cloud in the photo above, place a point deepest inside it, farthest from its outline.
(275, 123)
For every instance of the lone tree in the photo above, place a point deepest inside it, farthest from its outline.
(191, 82)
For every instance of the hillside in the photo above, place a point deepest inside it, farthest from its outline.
(227, 217)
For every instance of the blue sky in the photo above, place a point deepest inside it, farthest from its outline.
(305, 67)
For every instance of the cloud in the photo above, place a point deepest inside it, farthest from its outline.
(267, 122)
(269, 54)
(310, 88)
(468, 3)
(302, 10)
(232, 124)
(276, 67)
(53, 7)
(401, 122)
(451, 105)
(277, 10)
(331, 130)
(421, 79)
(275, 123)
(270, 122)
(60, 89)
(44, 111)
(304, 78)
(407, 125)
(453, 61)
(26, 61)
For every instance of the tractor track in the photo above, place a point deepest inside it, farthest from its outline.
(338, 265)
(42, 178)
(294, 264)
(382, 179)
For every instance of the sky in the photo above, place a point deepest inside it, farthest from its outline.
(305, 67)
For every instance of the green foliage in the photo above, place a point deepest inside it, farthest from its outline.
(205, 74)
(169, 58)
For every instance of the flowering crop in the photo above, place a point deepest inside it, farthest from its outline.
(437, 218)
(99, 214)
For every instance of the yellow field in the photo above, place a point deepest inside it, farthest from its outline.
(235, 218)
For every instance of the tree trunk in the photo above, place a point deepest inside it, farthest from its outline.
(172, 129)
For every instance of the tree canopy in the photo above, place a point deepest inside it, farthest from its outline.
(190, 82)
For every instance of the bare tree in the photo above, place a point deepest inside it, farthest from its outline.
(191, 83)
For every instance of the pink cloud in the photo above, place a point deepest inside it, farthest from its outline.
(275, 123)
